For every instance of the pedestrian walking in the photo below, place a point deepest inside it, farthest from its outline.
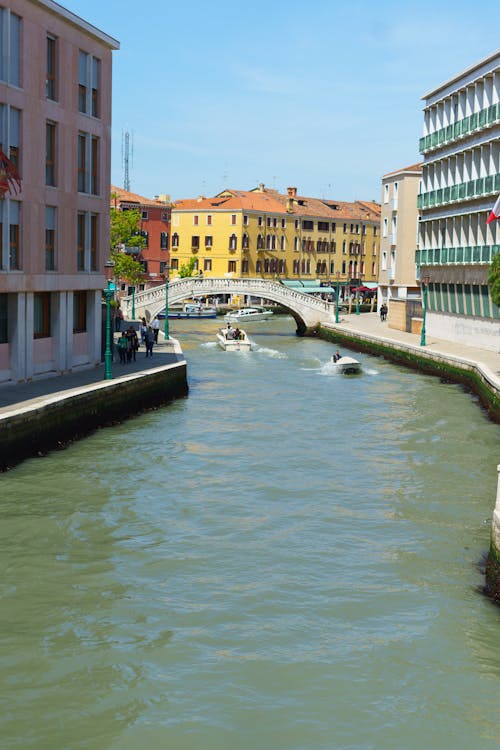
(155, 325)
(118, 319)
(122, 348)
(149, 339)
(144, 328)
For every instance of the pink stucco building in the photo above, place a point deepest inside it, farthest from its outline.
(55, 128)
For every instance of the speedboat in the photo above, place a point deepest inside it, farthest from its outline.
(247, 314)
(347, 365)
(192, 310)
(230, 344)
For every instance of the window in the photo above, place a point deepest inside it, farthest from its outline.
(10, 38)
(344, 249)
(233, 242)
(209, 220)
(260, 242)
(258, 266)
(245, 242)
(144, 215)
(196, 220)
(283, 223)
(297, 223)
(50, 84)
(11, 215)
(10, 133)
(233, 219)
(260, 220)
(4, 318)
(386, 228)
(50, 238)
(175, 240)
(80, 242)
(296, 244)
(323, 226)
(308, 225)
(231, 266)
(269, 221)
(174, 264)
(345, 228)
(79, 312)
(93, 241)
(244, 266)
(50, 153)
(88, 159)
(41, 315)
(164, 241)
(207, 264)
(245, 221)
(208, 241)
(195, 242)
(386, 193)
(88, 84)
(334, 226)
(282, 242)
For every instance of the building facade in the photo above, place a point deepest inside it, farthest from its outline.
(460, 182)
(55, 123)
(265, 233)
(398, 237)
(154, 228)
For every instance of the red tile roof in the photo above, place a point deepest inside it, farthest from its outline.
(125, 196)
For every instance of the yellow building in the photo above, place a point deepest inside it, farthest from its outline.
(265, 233)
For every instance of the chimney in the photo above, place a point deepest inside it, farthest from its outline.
(291, 192)
(289, 205)
(262, 189)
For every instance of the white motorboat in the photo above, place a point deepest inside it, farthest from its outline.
(247, 314)
(347, 365)
(192, 310)
(227, 341)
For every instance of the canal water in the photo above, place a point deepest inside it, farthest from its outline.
(287, 559)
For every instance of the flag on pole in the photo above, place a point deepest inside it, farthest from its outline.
(495, 212)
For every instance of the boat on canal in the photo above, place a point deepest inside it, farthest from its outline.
(346, 365)
(226, 340)
(191, 310)
(248, 314)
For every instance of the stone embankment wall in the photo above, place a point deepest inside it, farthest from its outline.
(60, 418)
(492, 586)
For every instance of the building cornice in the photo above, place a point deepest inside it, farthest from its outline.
(80, 23)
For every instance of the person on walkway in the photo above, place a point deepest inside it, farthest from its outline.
(122, 348)
(132, 343)
(149, 338)
(155, 325)
(144, 328)
(383, 312)
(118, 319)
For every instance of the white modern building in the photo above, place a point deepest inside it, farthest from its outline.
(55, 123)
(460, 183)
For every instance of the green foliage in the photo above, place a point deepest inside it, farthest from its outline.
(124, 228)
(127, 268)
(494, 279)
(187, 269)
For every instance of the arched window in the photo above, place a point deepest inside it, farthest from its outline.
(175, 240)
(233, 241)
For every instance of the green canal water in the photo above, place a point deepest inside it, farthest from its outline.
(287, 559)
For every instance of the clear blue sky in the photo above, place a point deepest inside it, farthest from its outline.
(325, 96)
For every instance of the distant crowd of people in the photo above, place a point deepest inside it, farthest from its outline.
(128, 343)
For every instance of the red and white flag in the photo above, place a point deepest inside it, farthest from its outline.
(495, 212)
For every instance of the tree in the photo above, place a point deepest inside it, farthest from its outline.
(125, 231)
(494, 279)
(187, 269)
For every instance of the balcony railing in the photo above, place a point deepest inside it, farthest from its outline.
(485, 118)
(470, 254)
(465, 190)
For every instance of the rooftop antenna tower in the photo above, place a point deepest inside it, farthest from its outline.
(127, 157)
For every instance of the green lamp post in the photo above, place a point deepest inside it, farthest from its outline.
(425, 284)
(133, 302)
(359, 293)
(108, 293)
(166, 269)
(337, 298)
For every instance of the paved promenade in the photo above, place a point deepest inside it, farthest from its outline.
(369, 326)
(36, 391)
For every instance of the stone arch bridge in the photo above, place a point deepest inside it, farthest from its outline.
(307, 310)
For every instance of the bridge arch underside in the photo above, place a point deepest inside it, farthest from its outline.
(306, 311)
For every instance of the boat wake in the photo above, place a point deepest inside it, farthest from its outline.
(273, 353)
(209, 345)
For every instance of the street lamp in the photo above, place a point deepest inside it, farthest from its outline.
(337, 298)
(166, 269)
(359, 293)
(108, 293)
(133, 302)
(425, 284)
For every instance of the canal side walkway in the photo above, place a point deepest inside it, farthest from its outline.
(49, 412)
(477, 368)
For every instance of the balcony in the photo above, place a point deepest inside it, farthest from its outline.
(485, 118)
(466, 255)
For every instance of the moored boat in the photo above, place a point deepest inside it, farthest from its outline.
(191, 310)
(230, 342)
(248, 314)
